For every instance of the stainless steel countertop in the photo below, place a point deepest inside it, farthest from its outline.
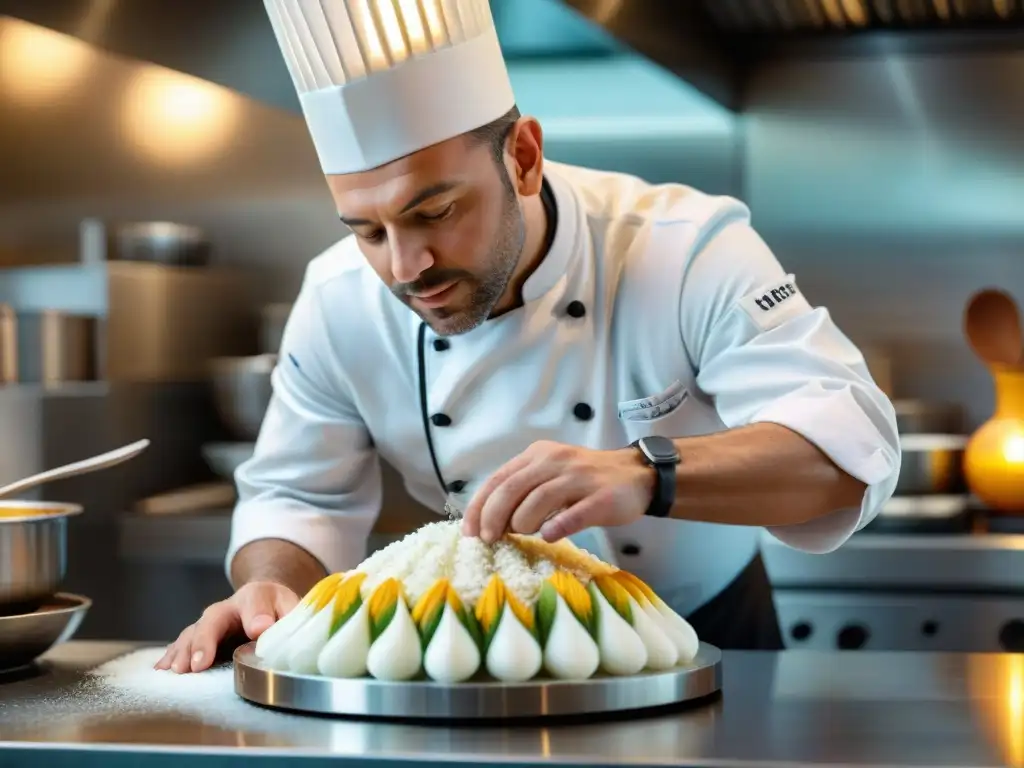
(792, 708)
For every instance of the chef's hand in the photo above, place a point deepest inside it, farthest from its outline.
(252, 609)
(560, 490)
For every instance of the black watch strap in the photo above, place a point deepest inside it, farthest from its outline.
(664, 492)
(661, 454)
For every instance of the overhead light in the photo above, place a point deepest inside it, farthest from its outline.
(176, 119)
(39, 66)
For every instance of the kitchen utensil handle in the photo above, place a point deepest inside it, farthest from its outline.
(103, 461)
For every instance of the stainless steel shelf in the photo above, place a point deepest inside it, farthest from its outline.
(962, 562)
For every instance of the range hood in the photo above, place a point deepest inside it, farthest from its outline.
(825, 16)
(717, 45)
(714, 45)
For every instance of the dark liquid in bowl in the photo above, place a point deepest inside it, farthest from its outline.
(19, 609)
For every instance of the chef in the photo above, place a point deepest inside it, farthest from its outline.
(558, 350)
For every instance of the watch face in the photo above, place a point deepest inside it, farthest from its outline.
(659, 450)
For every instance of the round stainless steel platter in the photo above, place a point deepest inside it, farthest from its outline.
(477, 699)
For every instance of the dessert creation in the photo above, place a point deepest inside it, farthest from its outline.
(448, 607)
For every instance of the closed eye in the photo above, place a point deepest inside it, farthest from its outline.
(441, 216)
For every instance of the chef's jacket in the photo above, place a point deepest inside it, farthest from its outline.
(657, 311)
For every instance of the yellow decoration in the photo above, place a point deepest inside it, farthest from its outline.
(573, 592)
(636, 587)
(347, 594)
(488, 607)
(439, 592)
(613, 591)
(323, 591)
(384, 599)
(495, 596)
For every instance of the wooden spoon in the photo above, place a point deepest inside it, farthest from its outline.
(103, 461)
(992, 325)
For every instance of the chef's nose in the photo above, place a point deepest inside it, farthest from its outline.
(409, 259)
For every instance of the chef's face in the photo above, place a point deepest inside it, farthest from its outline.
(443, 227)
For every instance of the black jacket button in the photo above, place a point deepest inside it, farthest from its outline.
(456, 486)
(576, 309)
(630, 549)
(441, 345)
(441, 420)
(583, 412)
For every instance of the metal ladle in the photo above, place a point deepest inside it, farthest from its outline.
(103, 461)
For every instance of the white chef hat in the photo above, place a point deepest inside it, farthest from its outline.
(381, 79)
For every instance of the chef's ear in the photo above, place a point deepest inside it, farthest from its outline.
(526, 149)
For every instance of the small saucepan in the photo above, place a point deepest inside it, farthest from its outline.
(932, 464)
(33, 553)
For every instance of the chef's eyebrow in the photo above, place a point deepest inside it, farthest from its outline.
(418, 199)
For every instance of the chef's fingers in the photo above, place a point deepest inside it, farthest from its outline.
(471, 514)
(170, 651)
(543, 502)
(504, 500)
(285, 602)
(595, 510)
(219, 621)
(162, 662)
(180, 661)
(258, 609)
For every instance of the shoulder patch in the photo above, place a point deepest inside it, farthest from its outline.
(774, 303)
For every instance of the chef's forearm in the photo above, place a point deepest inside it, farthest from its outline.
(277, 561)
(763, 475)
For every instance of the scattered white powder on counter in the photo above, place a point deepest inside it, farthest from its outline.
(129, 686)
(133, 676)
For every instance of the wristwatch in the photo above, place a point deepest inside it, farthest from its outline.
(660, 453)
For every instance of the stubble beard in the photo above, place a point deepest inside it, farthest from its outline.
(489, 288)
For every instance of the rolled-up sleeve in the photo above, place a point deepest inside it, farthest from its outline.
(314, 478)
(765, 354)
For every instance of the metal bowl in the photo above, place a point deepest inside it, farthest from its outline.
(932, 464)
(27, 636)
(241, 391)
(163, 242)
(928, 417)
(33, 552)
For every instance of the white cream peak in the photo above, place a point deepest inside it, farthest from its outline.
(514, 654)
(661, 651)
(570, 653)
(682, 633)
(396, 654)
(275, 639)
(346, 652)
(452, 655)
(622, 650)
(306, 644)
